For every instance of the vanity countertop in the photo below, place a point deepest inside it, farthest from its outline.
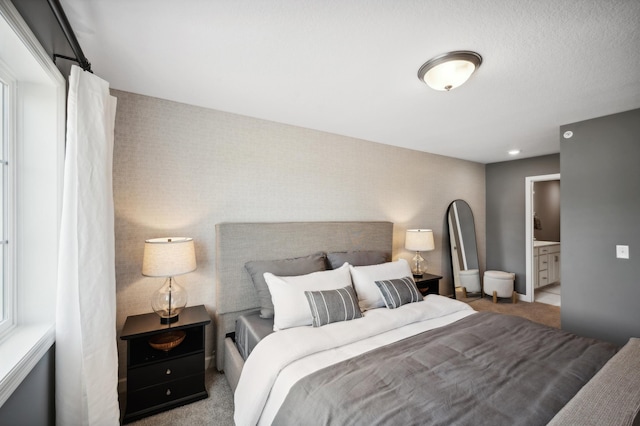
(545, 243)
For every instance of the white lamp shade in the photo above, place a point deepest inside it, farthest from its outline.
(168, 257)
(419, 240)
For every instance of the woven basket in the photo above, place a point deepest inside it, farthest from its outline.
(167, 341)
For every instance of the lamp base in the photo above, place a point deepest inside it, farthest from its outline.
(170, 320)
(169, 301)
(418, 268)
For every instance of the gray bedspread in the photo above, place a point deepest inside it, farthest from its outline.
(486, 369)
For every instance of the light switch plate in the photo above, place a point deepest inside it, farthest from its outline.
(622, 252)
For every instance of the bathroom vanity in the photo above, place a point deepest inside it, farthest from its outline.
(546, 263)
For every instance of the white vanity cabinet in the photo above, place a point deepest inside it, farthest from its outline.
(546, 258)
(554, 264)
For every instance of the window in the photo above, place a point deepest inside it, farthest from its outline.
(3, 190)
(32, 122)
(7, 283)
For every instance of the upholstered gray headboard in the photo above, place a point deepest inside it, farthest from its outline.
(239, 243)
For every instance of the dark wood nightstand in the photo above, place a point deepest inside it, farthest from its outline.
(428, 284)
(158, 380)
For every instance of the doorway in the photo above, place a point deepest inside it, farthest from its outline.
(542, 257)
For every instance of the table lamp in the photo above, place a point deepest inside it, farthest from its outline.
(168, 257)
(419, 240)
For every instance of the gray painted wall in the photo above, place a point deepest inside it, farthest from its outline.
(600, 209)
(505, 189)
(32, 403)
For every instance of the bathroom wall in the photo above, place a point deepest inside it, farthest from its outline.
(546, 205)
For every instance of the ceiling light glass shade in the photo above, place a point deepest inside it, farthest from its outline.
(450, 70)
(168, 257)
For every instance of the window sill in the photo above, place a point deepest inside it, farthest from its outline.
(20, 352)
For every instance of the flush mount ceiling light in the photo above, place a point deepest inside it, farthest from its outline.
(449, 70)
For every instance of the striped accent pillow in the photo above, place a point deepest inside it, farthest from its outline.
(398, 292)
(329, 306)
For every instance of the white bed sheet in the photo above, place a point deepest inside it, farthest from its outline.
(283, 358)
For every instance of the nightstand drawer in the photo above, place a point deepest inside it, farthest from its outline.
(166, 393)
(165, 371)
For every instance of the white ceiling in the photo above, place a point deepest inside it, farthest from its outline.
(350, 66)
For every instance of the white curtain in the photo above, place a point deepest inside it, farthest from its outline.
(86, 346)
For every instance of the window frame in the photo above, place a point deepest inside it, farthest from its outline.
(38, 129)
(8, 318)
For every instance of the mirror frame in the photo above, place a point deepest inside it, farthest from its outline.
(449, 241)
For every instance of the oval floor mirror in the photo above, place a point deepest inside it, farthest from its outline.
(464, 251)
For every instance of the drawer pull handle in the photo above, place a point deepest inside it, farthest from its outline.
(168, 392)
(168, 371)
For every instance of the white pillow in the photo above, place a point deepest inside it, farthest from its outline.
(287, 293)
(365, 277)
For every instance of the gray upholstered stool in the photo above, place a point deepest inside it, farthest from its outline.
(470, 281)
(500, 284)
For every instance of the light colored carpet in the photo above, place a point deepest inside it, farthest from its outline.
(217, 410)
(537, 312)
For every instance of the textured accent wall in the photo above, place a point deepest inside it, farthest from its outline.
(180, 169)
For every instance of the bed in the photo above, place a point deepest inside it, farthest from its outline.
(239, 243)
(428, 361)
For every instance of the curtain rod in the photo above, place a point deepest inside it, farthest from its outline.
(82, 60)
